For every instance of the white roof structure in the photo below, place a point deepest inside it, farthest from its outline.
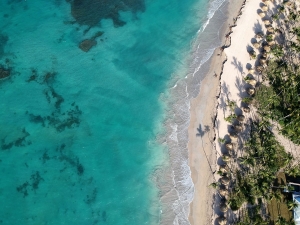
(296, 197)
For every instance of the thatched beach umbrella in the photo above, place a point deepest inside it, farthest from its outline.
(225, 180)
(262, 14)
(233, 137)
(267, 22)
(259, 68)
(226, 157)
(222, 220)
(267, 48)
(250, 91)
(223, 169)
(267, 2)
(271, 43)
(256, 45)
(251, 82)
(263, 61)
(229, 146)
(246, 109)
(270, 29)
(259, 35)
(264, 54)
(238, 128)
(223, 207)
(264, 8)
(223, 192)
(240, 118)
(251, 71)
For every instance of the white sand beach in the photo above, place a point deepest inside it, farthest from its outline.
(208, 110)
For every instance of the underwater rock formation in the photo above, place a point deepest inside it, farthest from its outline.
(4, 73)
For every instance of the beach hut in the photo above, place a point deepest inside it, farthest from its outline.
(267, 48)
(267, 22)
(256, 45)
(262, 14)
(246, 109)
(240, 118)
(225, 180)
(223, 207)
(251, 71)
(250, 91)
(251, 82)
(264, 8)
(233, 137)
(229, 146)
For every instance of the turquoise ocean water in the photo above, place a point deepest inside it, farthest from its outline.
(78, 129)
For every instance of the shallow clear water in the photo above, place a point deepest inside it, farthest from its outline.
(78, 128)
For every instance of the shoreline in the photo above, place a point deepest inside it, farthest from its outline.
(201, 130)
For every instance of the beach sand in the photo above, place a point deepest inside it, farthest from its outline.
(208, 108)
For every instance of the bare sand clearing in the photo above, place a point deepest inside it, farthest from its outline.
(207, 123)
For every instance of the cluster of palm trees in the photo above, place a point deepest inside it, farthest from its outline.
(253, 179)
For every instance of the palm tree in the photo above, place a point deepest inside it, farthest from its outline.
(292, 204)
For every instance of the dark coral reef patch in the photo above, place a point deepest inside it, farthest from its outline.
(91, 12)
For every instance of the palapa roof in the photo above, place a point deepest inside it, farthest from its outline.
(262, 14)
(223, 207)
(267, 22)
(238, 128)
(246, 109)
(223, 192)
(241, 118)
(251, 71)
(229, 146)
(225, 180)
(271, 43)
(222, 220)
(233, 137)
(264, 8)
(256, 45)
(267, 48)
(250, 91)
(252, 82)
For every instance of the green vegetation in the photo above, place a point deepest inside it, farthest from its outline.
(255, 181)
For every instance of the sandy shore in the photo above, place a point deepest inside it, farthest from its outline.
(208, 110)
